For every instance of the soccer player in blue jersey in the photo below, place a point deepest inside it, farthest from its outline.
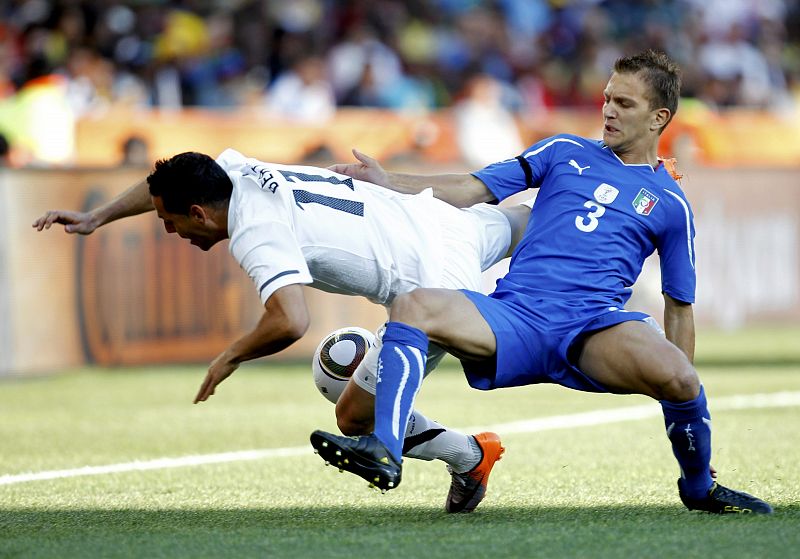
(558, 315)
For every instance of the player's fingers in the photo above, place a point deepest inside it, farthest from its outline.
(56, 217)
(202, 394)
(44, 222)
(364, 158)
(340, 168)
(50, 219)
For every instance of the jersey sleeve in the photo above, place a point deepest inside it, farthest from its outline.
(676, 252)
(266, 248)
(523, 172)
(231, 160)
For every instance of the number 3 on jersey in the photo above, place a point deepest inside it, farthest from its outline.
(588, 223)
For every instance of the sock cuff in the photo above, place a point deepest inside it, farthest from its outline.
(404, 334)
(687, 411)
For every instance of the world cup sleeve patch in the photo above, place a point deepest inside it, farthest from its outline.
(644, 202)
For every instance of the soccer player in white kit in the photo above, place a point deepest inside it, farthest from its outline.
(294, 225)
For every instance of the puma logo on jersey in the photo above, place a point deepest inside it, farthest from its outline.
(580, 169)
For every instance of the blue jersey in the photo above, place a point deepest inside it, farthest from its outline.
(594, 222)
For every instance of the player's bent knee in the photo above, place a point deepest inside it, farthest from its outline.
(682, 385)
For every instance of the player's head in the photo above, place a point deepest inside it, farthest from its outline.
(641, 98)
(191, 193)
(661, 75)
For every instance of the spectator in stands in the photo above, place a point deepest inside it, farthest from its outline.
(303, 93)
(135, 152)
(486, 129)
(404, 54)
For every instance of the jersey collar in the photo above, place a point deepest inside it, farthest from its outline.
(611, 151)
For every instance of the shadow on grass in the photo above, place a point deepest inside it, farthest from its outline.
(393, 531)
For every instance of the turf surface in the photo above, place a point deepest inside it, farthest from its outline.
(592, 491)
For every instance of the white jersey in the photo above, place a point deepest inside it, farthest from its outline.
(292, 224)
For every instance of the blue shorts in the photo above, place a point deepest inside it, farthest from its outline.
(534, 341)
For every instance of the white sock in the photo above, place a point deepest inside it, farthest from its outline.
(426, 439)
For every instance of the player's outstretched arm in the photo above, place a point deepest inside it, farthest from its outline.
(285, 320)
(134, 201)
(458, 189)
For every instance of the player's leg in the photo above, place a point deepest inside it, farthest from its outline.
(445, 317)
(453, 322)
(632, 357)
(425, 439)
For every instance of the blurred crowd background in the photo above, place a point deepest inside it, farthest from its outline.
(303, 58)
(92, 91)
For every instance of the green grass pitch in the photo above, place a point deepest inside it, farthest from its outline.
(589, 491)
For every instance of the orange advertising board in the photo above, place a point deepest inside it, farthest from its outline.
(132, 294)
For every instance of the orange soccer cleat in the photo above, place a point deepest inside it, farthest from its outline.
(467, 490)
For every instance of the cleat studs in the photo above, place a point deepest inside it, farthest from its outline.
(377, 479)
(316, 451)
(371, 486)
(346, 461)
(390, 484)
(324, 444)
(338, 453)
(327, 463)
(383, 491)
(341, 470)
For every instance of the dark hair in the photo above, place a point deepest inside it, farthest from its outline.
(660, 73)
(187, 179)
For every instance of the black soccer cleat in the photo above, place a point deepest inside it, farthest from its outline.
(721, 500)
(364, 456)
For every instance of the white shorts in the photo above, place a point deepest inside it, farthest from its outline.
(469, 246)
(473, 245)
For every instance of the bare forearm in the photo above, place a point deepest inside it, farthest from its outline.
(460, 190)
(679, 326)
(265, 339)
(285, 320)
(134, 201)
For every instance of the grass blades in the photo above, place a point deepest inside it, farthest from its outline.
(592, 491)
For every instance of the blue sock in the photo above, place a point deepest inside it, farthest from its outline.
(689, 430)
(401, 364)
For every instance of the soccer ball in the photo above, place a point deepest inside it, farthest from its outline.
(337, 357)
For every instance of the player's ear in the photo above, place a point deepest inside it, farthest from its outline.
(660, 118)
(197, 213)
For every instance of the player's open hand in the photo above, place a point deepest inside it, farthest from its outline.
(367, 169)
(82, 223)
(220, 369)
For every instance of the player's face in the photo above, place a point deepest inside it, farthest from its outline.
(628, 119)
(192, 227)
